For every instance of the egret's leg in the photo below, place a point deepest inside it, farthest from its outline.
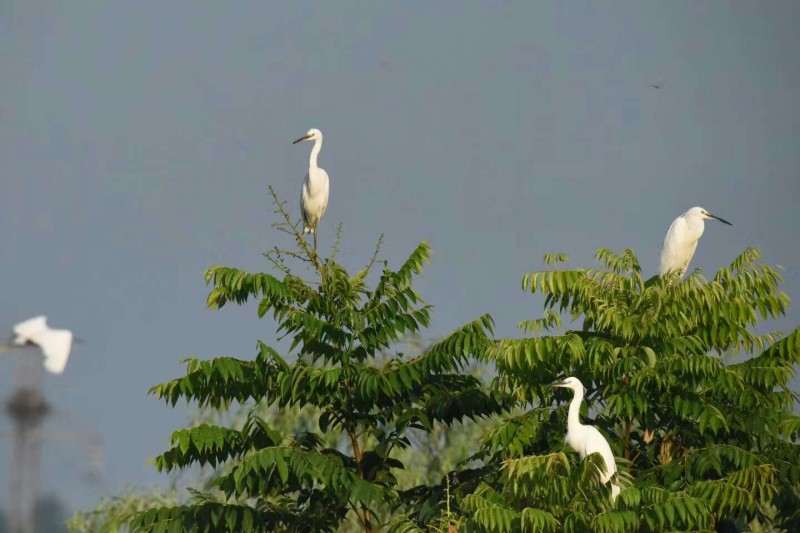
(315, 243)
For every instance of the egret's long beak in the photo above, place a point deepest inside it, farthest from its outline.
(557, 384)
(715, 217)
(303, 138)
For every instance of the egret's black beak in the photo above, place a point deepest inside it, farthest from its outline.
(715, 217)
(303, 138)
(557, 384)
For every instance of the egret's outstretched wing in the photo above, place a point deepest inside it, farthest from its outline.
(25, 331)
(56, 345)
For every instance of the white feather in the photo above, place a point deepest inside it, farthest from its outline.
(55, 344)
(316, 186)
(681, 241)
(584, 439)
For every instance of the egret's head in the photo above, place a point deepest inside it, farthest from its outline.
(702, 213)
(312, 135)
(570, 383)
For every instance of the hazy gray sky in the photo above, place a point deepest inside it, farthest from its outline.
(137, 141)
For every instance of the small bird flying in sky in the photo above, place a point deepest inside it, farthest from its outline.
(54, 343)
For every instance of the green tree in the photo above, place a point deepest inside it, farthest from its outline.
(111, 514)
(428, 459)
(336, 327)
(696, 406)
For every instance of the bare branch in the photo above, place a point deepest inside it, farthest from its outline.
(274, 256)
(337, 242)
(292, 228)
(378, 247)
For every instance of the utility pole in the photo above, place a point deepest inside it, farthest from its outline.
(27, 408)
(38, 347)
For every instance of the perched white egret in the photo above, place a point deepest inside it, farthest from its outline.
(55, 343)
(682, 238)
(584, 439)
(314, 199)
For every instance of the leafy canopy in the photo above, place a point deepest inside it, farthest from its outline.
(696, 406)
(337, 327)
(693, 397)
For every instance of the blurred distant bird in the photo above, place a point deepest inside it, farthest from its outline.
(316, 187)
(55, 343)
(654, 86)
(584, 439)
(682, 238)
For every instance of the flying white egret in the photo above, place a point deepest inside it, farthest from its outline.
(584, 439)
(55, 343)
(682, 238)
(314, 199)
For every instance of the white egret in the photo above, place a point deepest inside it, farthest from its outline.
(584, 439)
(682, 238)
(55, 343)
(314, 198)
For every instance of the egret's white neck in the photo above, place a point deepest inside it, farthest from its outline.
(573, 417)
(312, 161)
(696, 227)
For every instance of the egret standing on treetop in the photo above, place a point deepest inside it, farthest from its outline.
(681, 240)
(584, 439)
(316, 187)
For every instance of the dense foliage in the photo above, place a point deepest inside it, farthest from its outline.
(337, 327)
(110, 514)
(690, 392)
(695, 404)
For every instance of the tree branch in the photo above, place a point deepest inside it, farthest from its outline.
(291, 228)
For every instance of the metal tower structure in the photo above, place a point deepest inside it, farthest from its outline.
(27, 409)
